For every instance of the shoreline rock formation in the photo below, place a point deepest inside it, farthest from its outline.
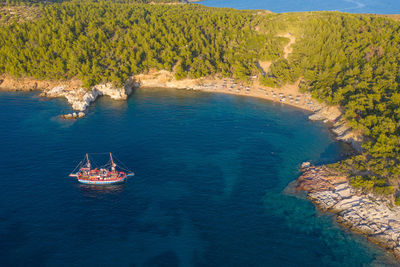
(340, 127)
(80, 98)
(367, 214)
(74, 115)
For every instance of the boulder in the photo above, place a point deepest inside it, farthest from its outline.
(305, 165)
(67, 116)
(329, 113)
(55, 92)
(73, 115)
(396, 252)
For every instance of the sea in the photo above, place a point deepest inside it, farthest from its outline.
(212, 185)
(350, 6)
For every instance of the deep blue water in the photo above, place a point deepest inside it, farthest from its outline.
(211, 172)
(351, 6)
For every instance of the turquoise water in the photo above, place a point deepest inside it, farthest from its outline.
(211, 172)
(351, 6)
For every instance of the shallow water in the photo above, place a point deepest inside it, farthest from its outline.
(211, 172)
(351, 6)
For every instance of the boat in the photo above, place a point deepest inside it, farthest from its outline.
(110, 173)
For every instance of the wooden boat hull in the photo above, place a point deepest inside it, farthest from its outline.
(101, 182)
(105, 175)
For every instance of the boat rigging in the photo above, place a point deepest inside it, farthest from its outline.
(110, 173)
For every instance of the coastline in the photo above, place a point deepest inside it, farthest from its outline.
(289, 94)
(362, 213)
(335, 195)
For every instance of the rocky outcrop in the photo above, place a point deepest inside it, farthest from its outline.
(72, 90)
(340, 127)
(367, 214)
(80, 98)
(346, 134)
(115, 93)
(330, 113)
(73, 115)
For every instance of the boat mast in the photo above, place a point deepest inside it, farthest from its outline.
(88, 161)
(112, 163)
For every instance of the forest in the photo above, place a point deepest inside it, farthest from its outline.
(107, 41)
(351, 60)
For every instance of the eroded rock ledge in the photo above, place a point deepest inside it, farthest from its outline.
(340, 127)
(79, 97)
(367, 214)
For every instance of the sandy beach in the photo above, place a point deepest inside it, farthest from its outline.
(288, 94)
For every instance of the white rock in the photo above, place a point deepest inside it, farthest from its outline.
(369, 214)
(305, 165)
(56, 91)
(80, 98)
(345, 193)
(67, 116)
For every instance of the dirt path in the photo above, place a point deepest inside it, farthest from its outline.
(287, 50)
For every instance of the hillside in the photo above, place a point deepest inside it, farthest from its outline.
(349, 60)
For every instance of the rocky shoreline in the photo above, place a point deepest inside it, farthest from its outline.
(289, 94)
(340, 128)
(366, 214)
(79, 97)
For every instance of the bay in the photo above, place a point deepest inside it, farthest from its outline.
(210, 185)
